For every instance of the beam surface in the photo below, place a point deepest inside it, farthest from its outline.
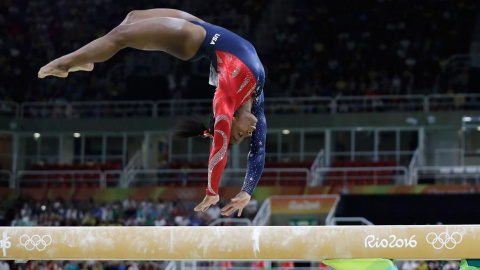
(240, 243)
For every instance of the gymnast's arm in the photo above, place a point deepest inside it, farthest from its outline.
(255, 162)
(223, 111)
(222, 128)
(256, 156)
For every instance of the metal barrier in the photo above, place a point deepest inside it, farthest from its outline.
(263, 215)
(361, 220)
(413, 103)
(114, 178)
(9, 109)
(449, 157)
(146, 178)
(319, 162)
(94, 178)
(6, 179)
(234, 177)
(361, 175)
(414, 162)
(184, 107)
(232, 221)
(197, 177)
(76, 110)
(457, 102)
(464, 175)
(299, 105)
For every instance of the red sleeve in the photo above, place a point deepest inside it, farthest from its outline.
(223, 107)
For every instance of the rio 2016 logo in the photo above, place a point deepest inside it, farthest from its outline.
(5, 243)
(391, 242)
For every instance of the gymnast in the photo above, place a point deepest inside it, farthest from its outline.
(235, 70)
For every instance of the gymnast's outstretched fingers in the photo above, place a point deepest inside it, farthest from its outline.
(236, 203)
(205, 204)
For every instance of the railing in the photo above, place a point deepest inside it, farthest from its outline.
(465, 175)
(299, 105)
(9, 109)
(414, 162)
(234, 177)
(351, 104)
(193, 177)
(6, 178)
(231, 221)
(361, 175)
(94, 178)
(134, 164)
(183, 107)
(307, 105)
(334, 221)
(263, 215)
(114, 178)
(458, 102)
(449, 157)
(398, 156)
(76, 159)
(96, 109)
(319, 162)
(172, 265)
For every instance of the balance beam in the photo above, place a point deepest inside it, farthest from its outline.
(240, 243)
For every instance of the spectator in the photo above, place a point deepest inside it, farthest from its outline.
(422, 265)
(4, 265)
(214, 213)
(409, 265)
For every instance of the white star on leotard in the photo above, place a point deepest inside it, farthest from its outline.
(260, 143)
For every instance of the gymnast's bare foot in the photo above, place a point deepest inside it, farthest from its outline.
(57, 69)
(86, 67)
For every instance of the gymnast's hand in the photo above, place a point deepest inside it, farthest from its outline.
(236, 203)
(205, 204)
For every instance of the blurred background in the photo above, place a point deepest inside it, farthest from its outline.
(372, 107)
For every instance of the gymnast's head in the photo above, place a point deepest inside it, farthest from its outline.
(243, 125)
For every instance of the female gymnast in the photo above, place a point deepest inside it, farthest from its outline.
(236, 71)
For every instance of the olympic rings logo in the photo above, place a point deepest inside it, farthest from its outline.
(35, 242)
(444, 240)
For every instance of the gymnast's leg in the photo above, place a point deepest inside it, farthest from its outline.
(174, 36)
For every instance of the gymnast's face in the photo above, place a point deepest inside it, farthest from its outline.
(243, 126)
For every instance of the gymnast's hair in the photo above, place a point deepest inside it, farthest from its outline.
(194, 126)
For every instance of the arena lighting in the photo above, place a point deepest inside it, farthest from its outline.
(76, 135)
(286, 132)
(478, 128)
(36, 136)
(251, 242)
(467, 118)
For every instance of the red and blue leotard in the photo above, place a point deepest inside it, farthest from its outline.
(239, 76)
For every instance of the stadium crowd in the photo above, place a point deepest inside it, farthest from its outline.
(375, 47)
(121, 213)
(128, 212)
(35, 32)
(326, 48)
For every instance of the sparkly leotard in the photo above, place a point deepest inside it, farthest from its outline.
(239, 75)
